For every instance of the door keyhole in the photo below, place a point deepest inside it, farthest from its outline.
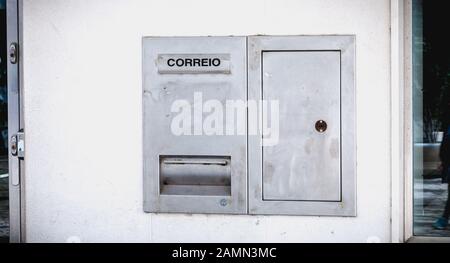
(321, 126)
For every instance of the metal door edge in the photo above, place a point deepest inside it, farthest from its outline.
(15, 120)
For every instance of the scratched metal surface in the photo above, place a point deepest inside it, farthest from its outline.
(305, 164)
(160, 91)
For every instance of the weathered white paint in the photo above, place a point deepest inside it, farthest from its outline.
(82, 96)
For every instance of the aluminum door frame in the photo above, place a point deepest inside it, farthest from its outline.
(15, 121)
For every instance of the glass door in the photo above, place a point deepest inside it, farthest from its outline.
(431, 117)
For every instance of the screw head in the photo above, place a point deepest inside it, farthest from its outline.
(13, 53)
(223, 202)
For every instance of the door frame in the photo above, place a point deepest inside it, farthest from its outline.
(15, 121)
(397, 120)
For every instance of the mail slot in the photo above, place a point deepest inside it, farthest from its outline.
(195, 175)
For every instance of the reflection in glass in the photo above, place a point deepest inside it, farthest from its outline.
(431, 107)
(4, 200)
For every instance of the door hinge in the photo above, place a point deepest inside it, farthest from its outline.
(18, 145)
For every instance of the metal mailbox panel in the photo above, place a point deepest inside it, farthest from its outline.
(309, 171)
(197, 173)
(305, 164)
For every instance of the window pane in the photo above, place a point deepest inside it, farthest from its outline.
(4, 182)
(431, 98)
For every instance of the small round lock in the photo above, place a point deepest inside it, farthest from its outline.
(321, 126)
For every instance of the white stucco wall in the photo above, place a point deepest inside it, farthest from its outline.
(82, 110)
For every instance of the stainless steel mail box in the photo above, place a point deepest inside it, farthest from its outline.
(309, 170)
(192, 172)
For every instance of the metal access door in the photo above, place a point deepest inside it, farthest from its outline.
(312, 168)
(307, 86)
(15, 122)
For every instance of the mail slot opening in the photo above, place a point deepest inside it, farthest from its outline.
(195, 175)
